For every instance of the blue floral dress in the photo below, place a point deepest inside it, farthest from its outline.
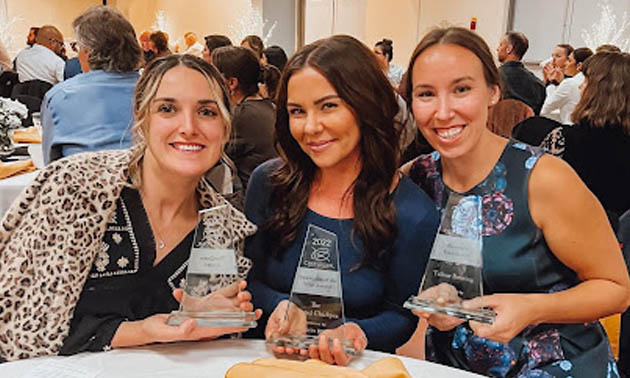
(516, 259)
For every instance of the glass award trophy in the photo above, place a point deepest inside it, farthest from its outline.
(456, 260)
(212, 276)
(316, 301)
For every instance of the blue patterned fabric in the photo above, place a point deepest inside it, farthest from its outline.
(516, 259)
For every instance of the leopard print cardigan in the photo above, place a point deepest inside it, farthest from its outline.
(49, 239)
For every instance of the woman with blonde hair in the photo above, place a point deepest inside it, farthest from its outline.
(93, 251)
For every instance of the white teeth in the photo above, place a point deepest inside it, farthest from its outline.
(450, 133)
(188, 147)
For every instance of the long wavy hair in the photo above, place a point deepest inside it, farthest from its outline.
(605, 100)
(353, 71)
(145, 92)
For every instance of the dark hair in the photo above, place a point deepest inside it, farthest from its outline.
(110, 39)
(160, 41)
(238, 62)
(519, 43)
(460, 37)
(216, 40)
(581, 54)
(386, 48)
(255, 43)
(271, 77)
(607, 48)
(605, 100)
(352, 70)
(568, 48)
(276, 56)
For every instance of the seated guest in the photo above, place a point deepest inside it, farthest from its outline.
(93, 111)
(255, 44)
(598, 145)
(551, 263)
(557, 65)
(505, 114)
(270, 79)
(213, 41)
(565, 96)
(607, 48)
(99, 241)
(191, 45)
(254, 115)
(520, 83)
(42, 61)
(32, 36)
(275, 56)
(384, 53)
(73, 65)
(339, 151)
(158, 45)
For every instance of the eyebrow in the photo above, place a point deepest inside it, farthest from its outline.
(318, 101)
(170, 99)
(463, 78)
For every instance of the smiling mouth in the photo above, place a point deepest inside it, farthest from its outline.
(449, 133)
(320, 146)
(187, 147)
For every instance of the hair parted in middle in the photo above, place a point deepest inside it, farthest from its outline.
(145, 92)
(354, 73)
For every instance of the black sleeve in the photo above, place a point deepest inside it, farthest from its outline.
(90, 333)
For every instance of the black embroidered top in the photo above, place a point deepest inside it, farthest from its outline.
(124, 284)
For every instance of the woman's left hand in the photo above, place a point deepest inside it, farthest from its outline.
(514, 313)
(348, 331)
(233, 297)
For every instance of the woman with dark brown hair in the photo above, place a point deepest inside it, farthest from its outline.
(551, 263)
(339, 149)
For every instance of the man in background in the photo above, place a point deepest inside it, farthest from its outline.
(42, 61)
(520, 83)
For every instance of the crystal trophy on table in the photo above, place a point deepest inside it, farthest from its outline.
(456, 260)
(316, 301)
(212, 276)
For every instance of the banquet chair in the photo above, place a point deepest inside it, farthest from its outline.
(35, 88)
(8, 79)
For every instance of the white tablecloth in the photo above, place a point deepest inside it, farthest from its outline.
(11, 187)
(192, 359)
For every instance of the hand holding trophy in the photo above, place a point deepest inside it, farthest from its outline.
(453, 273)
(315, 305)
(213, 294)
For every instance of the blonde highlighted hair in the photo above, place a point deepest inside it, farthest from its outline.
(145, 92)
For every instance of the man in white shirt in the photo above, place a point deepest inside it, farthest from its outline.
(41, 62)
(564, 97)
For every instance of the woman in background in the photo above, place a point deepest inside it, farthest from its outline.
(384, 51)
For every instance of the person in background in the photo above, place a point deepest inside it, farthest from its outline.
(78, 115)
(564, 97)
(158, 44)
(556, 66)
(42, 61)
(552, 266)
(607, 48)
(213, 41)
(520, 83)
(73, 66)
(384, 51)
(113, 233)
(32, 36)
(191, 45)
(275, 56)
(339, 151)
(270, 80)
(255, 44)
(254, 115)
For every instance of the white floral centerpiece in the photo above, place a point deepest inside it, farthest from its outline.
(12, 113)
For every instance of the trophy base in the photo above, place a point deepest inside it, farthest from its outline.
(304, 341)
(214, 319)
(454, 310)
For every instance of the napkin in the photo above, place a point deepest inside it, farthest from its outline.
(388, 367)
(29, 135)
(16, 168)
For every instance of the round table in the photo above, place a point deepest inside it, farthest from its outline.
(11, 187)
(185, 359)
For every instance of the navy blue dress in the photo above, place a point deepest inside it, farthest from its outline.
(516, 259)
(372, 298)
